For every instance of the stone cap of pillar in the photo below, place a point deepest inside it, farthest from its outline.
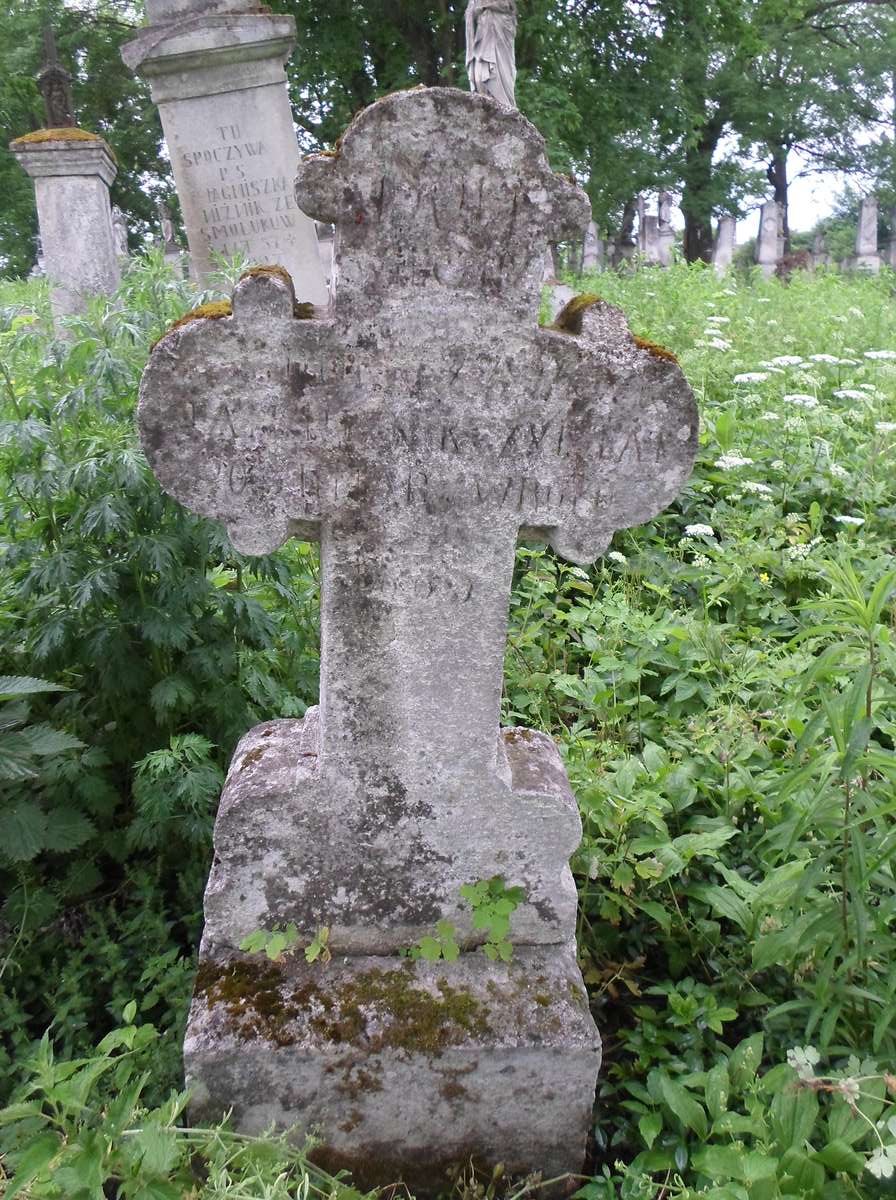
(212, 53)
(65, 152)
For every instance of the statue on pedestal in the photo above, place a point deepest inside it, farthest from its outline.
(491, 49)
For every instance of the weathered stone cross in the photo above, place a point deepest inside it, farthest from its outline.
(417, 432)
(417, 429)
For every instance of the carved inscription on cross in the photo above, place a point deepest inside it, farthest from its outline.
(418, 431)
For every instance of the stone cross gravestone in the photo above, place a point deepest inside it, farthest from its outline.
(216, 70)
(417, 429)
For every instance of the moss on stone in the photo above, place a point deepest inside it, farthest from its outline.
(569, 319)
(656, 351)
(280, 272)
(205, 312)
(67, 134)
(376, 1009)
(303, 311)
(253, 757)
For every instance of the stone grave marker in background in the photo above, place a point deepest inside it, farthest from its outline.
(417, 429)
(665, 232)
(72, 171)
(867, 257)
(216, 72)
(890, 252)
(723, 248)
(594, 250)
(767, 241)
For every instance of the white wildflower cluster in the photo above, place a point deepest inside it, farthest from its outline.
(837, 471)
(804, 1060)
(787, 360)
(751, 377)
(616, 557)
(885, 426)
(763, 300)
(713, 343)
(698, 530)
(701, 560)
(771, 369)
(718, 320)
(849, 394)
(797, 553)
(832, 359)
(881, 355)
(778, 464)
(792, 520)
(847, 520)
(792, 425)
(801, 400)
(758, 489)
(770, 416)
(729, 462)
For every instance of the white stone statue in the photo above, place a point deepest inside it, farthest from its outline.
(491, 49)
(120, 232)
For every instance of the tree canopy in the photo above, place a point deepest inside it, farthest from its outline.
(632, 95)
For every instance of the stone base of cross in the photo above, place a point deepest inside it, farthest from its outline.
(417, 430)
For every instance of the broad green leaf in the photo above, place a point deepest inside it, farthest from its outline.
(744, 1061)
(719, 1162)
(159, 1149)
(67, 829)
(33, 1160)
(26, 685)
(793, 1114)
(683, 1106)
(650, 1127)
(24, 830)
(717, 1090)
(838, 1156)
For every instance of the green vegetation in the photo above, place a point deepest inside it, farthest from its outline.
(720, 686)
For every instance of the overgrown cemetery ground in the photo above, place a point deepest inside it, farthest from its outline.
(720, 686)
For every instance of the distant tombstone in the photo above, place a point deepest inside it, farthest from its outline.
(593, 254)
(890, 254)
(665, 231)
(216, 73)
(38, 271)
(72, 171)
(867, 257)
(767, 243)
(820, 255)
(649, 239)
(417, 431)
(723, 248)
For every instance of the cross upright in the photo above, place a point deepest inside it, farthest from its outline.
(418, 429)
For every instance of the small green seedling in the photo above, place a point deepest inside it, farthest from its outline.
(276, 943)
(493, 904)
(442, 946)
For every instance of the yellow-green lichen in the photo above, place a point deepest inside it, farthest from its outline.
(205, 312)
(56, 135)
(656, 351)
(280, 272)
(569, 319)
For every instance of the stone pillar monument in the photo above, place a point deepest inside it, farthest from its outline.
(768, 241)
(216, 69)
(649, 238)
(867, 257)
(723, 249)
(890, 252)
(72, 171)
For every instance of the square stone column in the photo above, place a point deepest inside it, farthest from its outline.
(216, 70)
(72, 172)
(867, 257)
